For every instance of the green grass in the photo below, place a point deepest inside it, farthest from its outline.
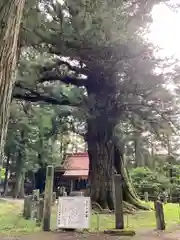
(140, 220)
(12, 223)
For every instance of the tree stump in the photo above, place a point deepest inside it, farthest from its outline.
(118, 202)
(48, 198)
(40, 212)
(159, 213)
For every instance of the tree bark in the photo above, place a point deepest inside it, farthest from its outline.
(6, 176)
(10, 19)
(101, 162)
(19, 177)
(20, 168)
(21, 191)
(139, 158)
(104, 160)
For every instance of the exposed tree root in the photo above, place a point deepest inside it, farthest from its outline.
(129, 194)
(127, 209)
(131, 202)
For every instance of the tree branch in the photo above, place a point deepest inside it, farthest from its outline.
(41, 98)
(33, 96)
(53, 73)
(52, 76)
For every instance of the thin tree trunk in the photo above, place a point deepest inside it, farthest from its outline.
(139, 158)
(20, 171)
(169, 147)
(21, 191)
(10, 19)
(6, 176)
(19, 177)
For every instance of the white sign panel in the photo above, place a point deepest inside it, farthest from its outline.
(74, 212)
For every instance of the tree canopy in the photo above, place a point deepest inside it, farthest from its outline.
(90, 62)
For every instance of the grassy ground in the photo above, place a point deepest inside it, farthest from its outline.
(140, 220)
(12, 223)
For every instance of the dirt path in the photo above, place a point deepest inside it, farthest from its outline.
(175, 235)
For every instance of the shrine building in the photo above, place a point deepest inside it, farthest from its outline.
(73, 174)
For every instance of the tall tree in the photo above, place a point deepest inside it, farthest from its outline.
(113, 89)
(11, 12)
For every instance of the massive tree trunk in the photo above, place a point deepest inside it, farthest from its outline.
(100, 149)
(10, 19)
(106, 159)
(104, 155)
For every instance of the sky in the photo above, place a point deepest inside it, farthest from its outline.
(165, 30)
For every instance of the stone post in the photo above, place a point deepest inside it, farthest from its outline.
(118, 202)
(35, 202)
(40, 212)
(27, 207)
(48, 198)
(159, 213)
(146, 197)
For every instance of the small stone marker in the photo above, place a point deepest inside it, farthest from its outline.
(35, 203)
(146, 197)
(159, 213)
(118, 202)
(54, 198)
(27, 207)
(61, 191)
(40, 212)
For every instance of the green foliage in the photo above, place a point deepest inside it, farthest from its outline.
(88, 33)
(46, 135)
(154, 182)
(2, 173)
(146, 180)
